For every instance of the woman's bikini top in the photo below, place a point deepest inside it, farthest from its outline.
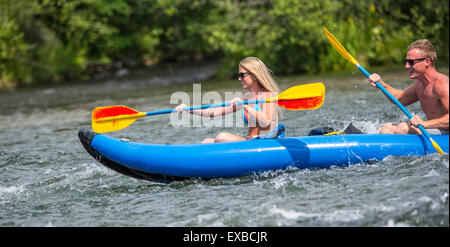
(244, 114)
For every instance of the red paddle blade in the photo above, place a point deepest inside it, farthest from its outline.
(302, 104)
(302, 97)
(112, 118)
(111, 111)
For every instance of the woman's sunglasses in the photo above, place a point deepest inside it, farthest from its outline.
(242, 75)
(411, 62)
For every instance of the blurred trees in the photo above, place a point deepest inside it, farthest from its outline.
(59, 40)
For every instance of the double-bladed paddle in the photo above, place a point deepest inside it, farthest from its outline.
(301, 97)
(339, 48)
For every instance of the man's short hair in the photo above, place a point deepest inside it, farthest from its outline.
(426, 48)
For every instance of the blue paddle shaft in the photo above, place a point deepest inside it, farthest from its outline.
(193, 108)
(390, 96)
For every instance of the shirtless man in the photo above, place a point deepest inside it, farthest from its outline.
(430, 88)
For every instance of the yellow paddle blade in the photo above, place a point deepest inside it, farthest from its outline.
(301, 97)
(436, 146)
(339, 48)
(112, 118)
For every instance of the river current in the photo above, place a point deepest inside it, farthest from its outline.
(48, 179)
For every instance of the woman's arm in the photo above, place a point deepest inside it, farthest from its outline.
(268, 115)
(213, 112)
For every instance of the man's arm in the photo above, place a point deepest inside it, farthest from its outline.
(406, 97)
(437, 123)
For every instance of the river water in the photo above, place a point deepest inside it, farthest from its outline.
(48, 179)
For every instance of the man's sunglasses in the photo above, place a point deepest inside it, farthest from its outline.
(411, 62)
(242, 75)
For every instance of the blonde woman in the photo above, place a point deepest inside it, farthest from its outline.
(261, 118)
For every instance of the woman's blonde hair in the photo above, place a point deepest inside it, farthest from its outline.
(263, 74)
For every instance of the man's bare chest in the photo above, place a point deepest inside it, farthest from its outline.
(429, 101)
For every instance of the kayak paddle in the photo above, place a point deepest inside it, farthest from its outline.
(339, 48)
(301, 97)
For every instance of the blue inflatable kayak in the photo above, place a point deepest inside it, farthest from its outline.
(165, 163)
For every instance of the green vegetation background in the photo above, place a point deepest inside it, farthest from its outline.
(62, 40)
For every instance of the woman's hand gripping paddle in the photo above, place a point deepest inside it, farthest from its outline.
(301, 97)
(339, 48)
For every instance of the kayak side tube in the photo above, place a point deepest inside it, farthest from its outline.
(350, 149)
(165, 163)
(177, 162)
